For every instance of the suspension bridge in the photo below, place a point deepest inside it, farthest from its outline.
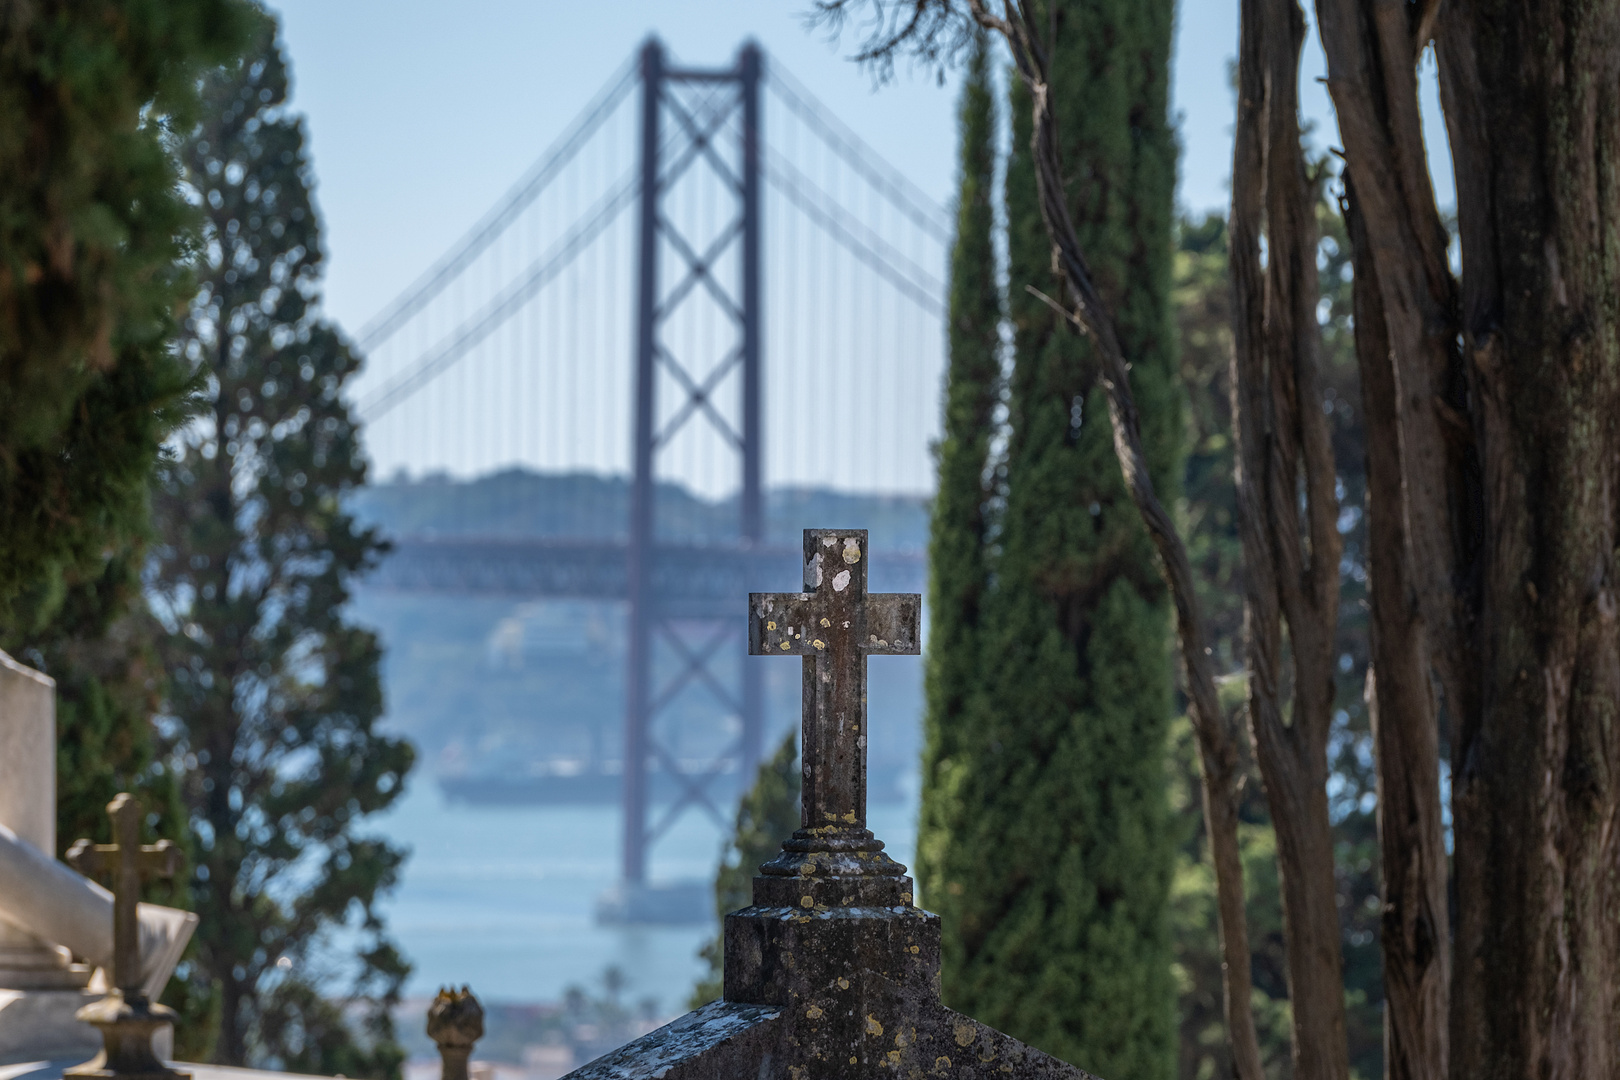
(709, 285)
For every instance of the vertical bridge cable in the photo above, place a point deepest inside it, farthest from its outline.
(493, 225)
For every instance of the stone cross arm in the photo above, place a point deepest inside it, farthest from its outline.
(161, 859)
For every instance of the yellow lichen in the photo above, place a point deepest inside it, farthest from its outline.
(813, 1012)
(805, 901)
(964, 1033)
(872, 1026)
(843, 983)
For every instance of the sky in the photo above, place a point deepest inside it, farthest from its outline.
(421, 114)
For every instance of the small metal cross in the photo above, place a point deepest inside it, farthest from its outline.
(834, 625)
(126, 860)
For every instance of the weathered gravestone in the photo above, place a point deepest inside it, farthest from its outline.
(833, 972)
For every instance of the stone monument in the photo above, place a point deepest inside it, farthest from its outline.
(51, 916)
(126, 1017)
(28, 809)
(833, 972)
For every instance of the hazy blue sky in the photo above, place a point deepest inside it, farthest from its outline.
(422, 113)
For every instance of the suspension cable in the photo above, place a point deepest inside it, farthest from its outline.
(516, 200)
(503, 306)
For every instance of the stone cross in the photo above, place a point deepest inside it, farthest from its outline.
(834, 625)
(127, 860)
(832, 973)
(126, 1019)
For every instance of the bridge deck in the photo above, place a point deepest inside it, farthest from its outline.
(693, 581)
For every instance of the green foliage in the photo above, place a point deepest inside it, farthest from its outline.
(98, 648)
(273, 696)
(94, 237)
(767, 815)
(93, 233)
(1054, 879)
(957, 562)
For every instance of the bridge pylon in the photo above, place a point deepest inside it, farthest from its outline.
(676, 137)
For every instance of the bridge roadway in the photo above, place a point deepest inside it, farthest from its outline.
(689, 581)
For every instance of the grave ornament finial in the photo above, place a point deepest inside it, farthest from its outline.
(126, 1019)
(455, 1021)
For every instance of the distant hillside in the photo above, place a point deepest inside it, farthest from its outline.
(518, 502)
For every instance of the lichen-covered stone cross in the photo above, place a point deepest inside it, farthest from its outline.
(832, 973)
(834, 625)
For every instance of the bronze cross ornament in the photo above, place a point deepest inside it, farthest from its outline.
(127, 860)
(833, 626)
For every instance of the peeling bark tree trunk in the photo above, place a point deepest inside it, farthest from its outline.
(1416, 466)
(1495, 521)
(1532, 95)
(1291, 559)
(1405, 727)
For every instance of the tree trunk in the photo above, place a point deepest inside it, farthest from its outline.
(1291, 558)
(1507, 455)
(1405, 304)
(1532, 95)
(1401, 701)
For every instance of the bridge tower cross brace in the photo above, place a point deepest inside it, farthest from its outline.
(661, 162)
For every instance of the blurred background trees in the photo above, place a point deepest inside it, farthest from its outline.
(273, 694)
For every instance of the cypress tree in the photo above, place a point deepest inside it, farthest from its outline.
(274, 696)
(1059, 869)
(93, 237)
(956, 546)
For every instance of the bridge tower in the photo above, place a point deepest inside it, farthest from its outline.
(676, 137)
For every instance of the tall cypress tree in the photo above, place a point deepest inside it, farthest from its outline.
(274, 696)
(957, 570)
(1059, 868)
(93, 236)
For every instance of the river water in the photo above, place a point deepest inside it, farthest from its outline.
(502, 898)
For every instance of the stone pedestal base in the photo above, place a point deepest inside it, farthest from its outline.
(41, 1025)
(127, 1029)
(829, 976)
